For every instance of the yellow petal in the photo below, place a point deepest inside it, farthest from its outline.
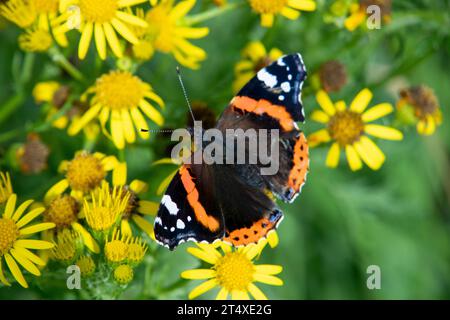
(267, 20)
(129, 3)
(25, 263)
(112, 40)
(361, 101)
(340, 105)
(129, 18)
(252, 250)
(333, 155)
(37, 228)
(30, 256)
(267, 279)
(320, 116)
(151, 112)
(79, 124)
(273, 239)
(144, 225)
(10, 206)
(85, 40)
(197, 274)
(56, 190)
(21, 209)
(192, 33)
(181, 9)
(124, 31)
(222, 295)
(120, 174)
(2, 275)
(100, 41)
(117, 129)
(290, 13)
(34, 244)
(14, 268)
(138, 186)
(370, 153)
(148, 207)
(202, 288)
(323, 99)
(125, 228)
(305, 5)
(88, 240)
(354, 20)
(268, 269)
(318, 137)
(109, 163)
(383, 132)
(239, 295)
(140, 123)
(153, 96)
(353, 159)
(256, 292)
(30, 216)
(202, 255)
(376, 112)
(256, 51)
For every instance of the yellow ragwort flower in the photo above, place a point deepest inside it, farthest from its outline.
(422, 104)
(116, 248)
(86, 265)
(120, 98)
(136, 250)
(254, 58)
(143, 50)
(136, 207)
(348, 129)
(15, 244)
(35, 40)
(287, 8)
(84, 173)
(66, 246)
(5, 187)
(44, 91)
(123, 274)
(169, 32)
(232, 270)
(105, 208)
(48, 19)
(19, 12)
(103, 18)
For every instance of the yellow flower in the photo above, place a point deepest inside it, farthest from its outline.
(232, 270)
(287, 8)
(66, 246)
(254, 58)
(347, 128)
(14, 242)
(84, 173)
(106, 207)
(143, 50)
(86, 265)
(116, 248)
(421, 103)
(103, 18)
(358, 12)
(35, 40)
(19, 12)
(123, 274)
(169, 32)
(5, 187)
(44, 91)
(136, 250)
(121, 98)
(48, 19)
(136, 207)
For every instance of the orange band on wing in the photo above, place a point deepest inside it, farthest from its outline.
(300, 169)
(261, 107)
(246, 236)
(206, 220)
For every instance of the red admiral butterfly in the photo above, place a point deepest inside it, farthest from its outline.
(235, 203)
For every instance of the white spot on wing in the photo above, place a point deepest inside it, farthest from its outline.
(158, 221)
(170, 205)
(269, 79)
(286, 86)
(180, 224)
(189, 218)
(281, 98)
(172, 229)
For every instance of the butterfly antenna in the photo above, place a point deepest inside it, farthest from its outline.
(184, 92)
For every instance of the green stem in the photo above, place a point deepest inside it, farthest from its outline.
(210, 14)
(27, 69)
(10, 106)
(62, 61)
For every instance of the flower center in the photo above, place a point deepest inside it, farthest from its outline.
(116, 250)
(123, 274)
(102, 218)
(268, 6)
(119, 90)
(66, 246)
(136, 250)
(346, 127)
(85, 172)
(46, 6)
(35, 40)
(8, 235)
(62, 211)
(99, 11)
(86, 265)
(422, 99)
(234, 271)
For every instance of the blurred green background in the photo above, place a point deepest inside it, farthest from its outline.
(397, 218)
